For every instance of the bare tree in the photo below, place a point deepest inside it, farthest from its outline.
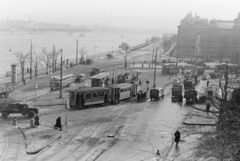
(83, 51)
(22, 61)
(36, 61)
(46, 58)
(166, 44)
(223, 143)
(55, 55)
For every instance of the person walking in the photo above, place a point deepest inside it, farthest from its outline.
(58, 124)
(207, 83)
(177, 137)
(36, 121)
(208, 107)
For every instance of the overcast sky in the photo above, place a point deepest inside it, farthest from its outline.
(147, 14)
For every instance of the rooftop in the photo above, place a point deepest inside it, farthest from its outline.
(89, 89)
(121, 85)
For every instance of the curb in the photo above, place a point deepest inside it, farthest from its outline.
(198, 124)
(203, 110)
(25, 137)
(185, 123)
(49, 144)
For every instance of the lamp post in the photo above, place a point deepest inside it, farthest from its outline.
(31, 61)
(152, 56)
(154, 79)
(60, 85)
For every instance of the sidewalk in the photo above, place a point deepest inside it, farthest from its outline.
(39, 138)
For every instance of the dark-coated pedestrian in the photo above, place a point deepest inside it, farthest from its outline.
(58, 124)
(177, 137)
(158, 153)
(36, 121)
(207, 83)
(208, 107)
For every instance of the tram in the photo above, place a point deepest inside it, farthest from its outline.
(87, 96)
(122, 91)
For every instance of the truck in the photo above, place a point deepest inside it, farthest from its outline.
(190, 94)
(5, 91)
(188, 83)
(200, 70)
(189, 91)
(177, 93)
(18, 107)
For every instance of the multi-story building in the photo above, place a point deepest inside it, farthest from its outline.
(210, 39)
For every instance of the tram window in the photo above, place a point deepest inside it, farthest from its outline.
(88, 95)
(121, 90)
(94, 94)
(101, 93)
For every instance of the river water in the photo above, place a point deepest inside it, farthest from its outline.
(104, 42)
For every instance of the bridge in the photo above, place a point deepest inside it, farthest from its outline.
(68, 30)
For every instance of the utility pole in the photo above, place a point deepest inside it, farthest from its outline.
(154, 79)
(237, 64)
(54, 57)
(31, 61)
(60, 85)
(77, 53)
(152, 56)
(226, 84)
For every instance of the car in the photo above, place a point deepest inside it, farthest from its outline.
(204, 77)
(80, 78)
(19, 107)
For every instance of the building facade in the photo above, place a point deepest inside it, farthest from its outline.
(218, 39)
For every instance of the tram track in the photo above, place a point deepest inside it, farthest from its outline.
(63, 135)
(81, 151)
(70, 136)
(13, 141)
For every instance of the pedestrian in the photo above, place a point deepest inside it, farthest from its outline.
(220, 83)
(15, 122)
(36, 121)
(133, 64)
(23, 81)
(207, 83)
(142, 65)
(58, 124)
(177, 137)
(158, 153)
(149, 65)
(208, 107)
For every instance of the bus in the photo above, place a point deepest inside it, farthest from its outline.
(101, 79)
(66, 81)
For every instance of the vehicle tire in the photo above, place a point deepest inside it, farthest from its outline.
(31, 114)
(5, 115)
